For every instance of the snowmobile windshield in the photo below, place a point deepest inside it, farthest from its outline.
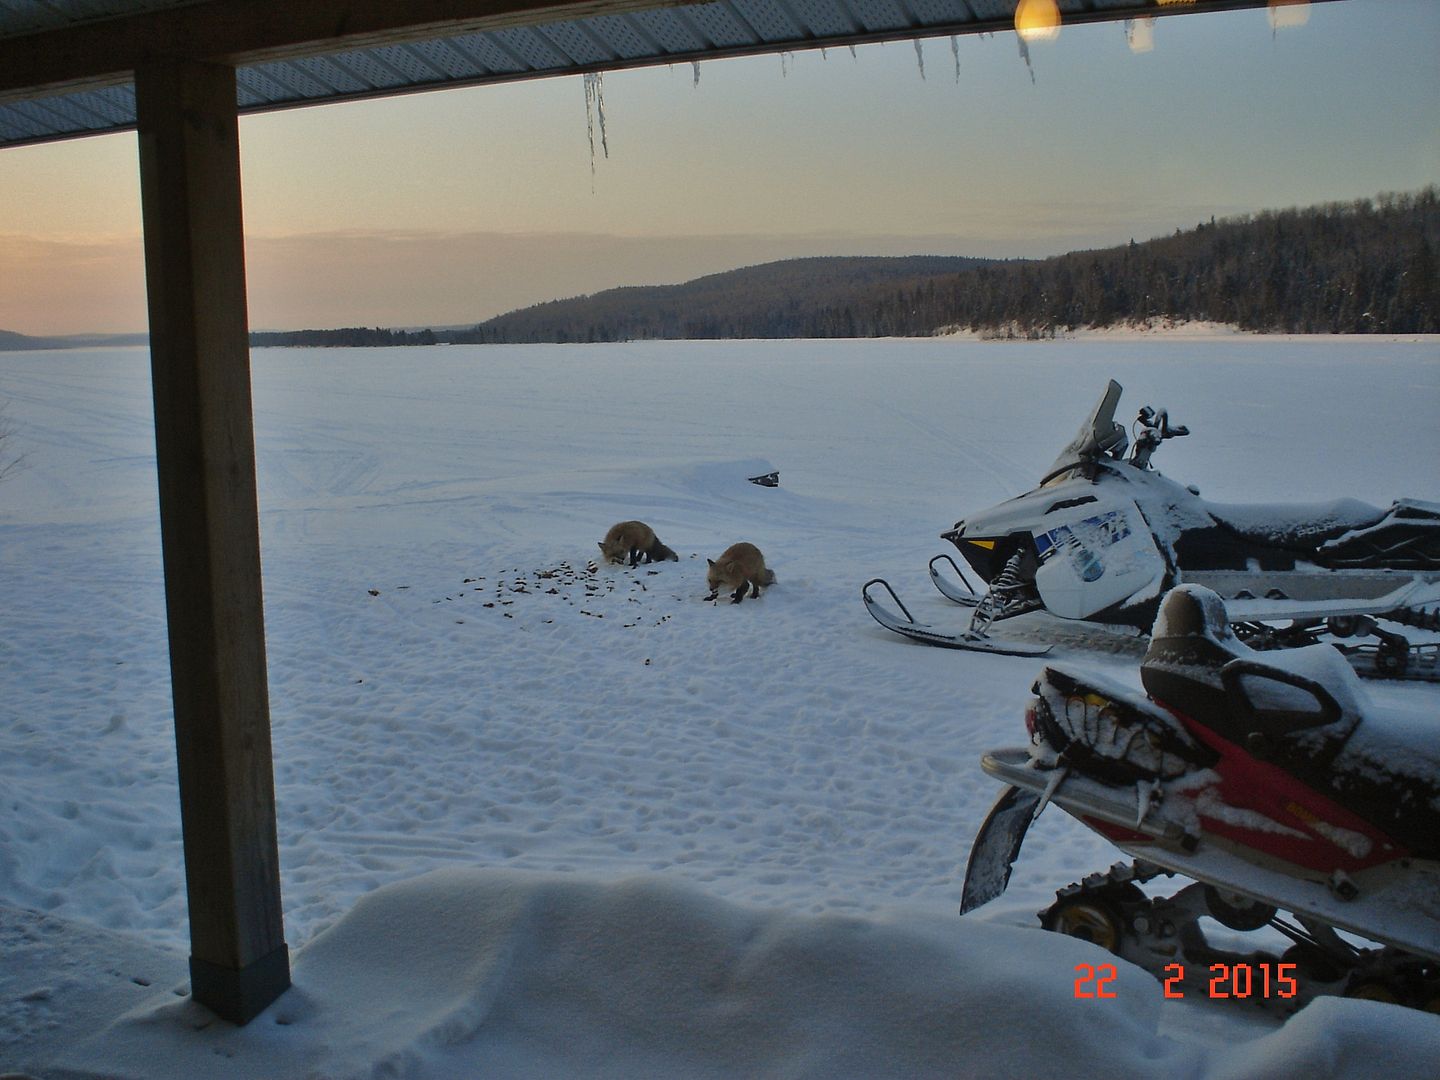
(1072, 472)
(1098, 436)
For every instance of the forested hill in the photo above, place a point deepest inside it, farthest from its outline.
(1368, 266)
(796, 298)
(10, 341)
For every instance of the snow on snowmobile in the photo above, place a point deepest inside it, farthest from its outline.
(1104, 536)
(1271, 780)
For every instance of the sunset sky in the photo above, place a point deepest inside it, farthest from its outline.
(449, 207)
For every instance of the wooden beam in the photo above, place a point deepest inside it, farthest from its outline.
(200, 361)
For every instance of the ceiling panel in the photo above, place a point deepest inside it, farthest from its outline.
(61, 46)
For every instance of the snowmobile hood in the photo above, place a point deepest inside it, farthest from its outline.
(1026, 512)
(1169, 507)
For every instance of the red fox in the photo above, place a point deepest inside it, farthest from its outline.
(630, 540)
(740, 567)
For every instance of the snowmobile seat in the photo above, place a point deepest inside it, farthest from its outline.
(1189, 646)
(1303, 710)
(1297, 525)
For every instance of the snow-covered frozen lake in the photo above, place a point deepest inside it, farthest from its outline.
(451, 689)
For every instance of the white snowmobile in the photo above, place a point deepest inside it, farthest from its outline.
(1269, 778)
(1104, 536)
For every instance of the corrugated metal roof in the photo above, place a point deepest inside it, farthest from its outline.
(455, 43)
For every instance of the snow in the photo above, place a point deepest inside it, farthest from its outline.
(618, 830)
(1307, 523)
(1406, 737)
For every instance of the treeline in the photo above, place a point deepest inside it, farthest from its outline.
(10, 341)
(1367, 266)
(796, 298)
(350, 336)
(1362, 267)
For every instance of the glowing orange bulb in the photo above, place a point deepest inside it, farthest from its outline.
(1037, 20)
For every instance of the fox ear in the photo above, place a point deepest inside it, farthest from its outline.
(710, 562)
(600, 544)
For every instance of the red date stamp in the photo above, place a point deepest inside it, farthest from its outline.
(1102, 976)
(1225, 981)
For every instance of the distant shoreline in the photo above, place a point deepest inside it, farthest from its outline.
(1167, 330)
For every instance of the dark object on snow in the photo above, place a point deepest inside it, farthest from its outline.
(771, 479)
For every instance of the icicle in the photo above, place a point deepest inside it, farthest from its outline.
(955, 52)
(920, 57)
(1051, 786)
(595, 107)
(1025, 55)
(1147, 797)
(852, 53)
(695, 68)
(787, 60)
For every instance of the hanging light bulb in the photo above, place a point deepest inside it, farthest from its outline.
(1287, 13)
(1037, 20)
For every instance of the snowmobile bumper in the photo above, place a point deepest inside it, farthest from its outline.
(1395, 903)
(1085, 798)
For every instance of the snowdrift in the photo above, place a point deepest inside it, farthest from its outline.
(502, 973)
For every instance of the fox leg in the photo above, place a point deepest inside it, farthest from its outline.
(739, 593)
(754, 590)
(634, 557)
(713, 595)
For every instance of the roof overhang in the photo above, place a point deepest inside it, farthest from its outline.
(67, 66)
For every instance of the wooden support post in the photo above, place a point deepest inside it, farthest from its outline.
(205, 447)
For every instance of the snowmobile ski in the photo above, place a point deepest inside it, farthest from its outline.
(948, 589)
(905, 625)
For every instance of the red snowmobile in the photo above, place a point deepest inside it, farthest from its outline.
(1269, 778)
